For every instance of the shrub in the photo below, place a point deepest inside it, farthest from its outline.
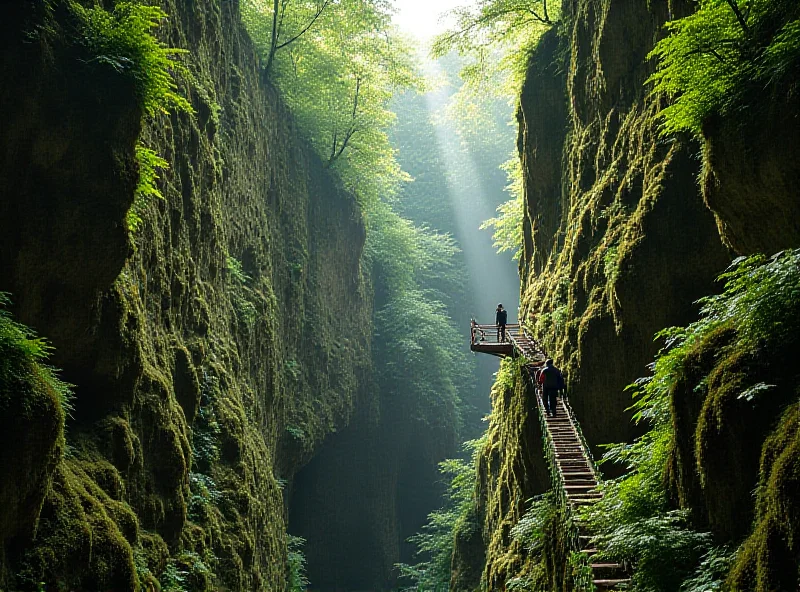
(712, 59)
(23, 353)
(122, 39)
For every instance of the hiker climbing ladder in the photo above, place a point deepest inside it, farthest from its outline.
(575, 469)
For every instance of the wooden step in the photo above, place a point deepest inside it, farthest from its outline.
(579, 488)
(590, 483)
(608, 571)
(591, 496)
(582, 500)
(608, 584)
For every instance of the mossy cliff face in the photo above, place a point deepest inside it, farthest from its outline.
(201, 383)
(732, 434)
(511, 470)
(618, 241)
(751, 175)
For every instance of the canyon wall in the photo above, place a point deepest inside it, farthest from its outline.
(619, 241)
(213, 350)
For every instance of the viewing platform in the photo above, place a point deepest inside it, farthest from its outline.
(573, 472)
(485, 339)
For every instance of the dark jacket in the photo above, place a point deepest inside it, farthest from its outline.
(551, 378)
(501, 317)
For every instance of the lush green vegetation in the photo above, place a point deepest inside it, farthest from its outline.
(22, 359)
(435, 542)
(723, 57)
(337, 65)
(417, 343)
(507, 225)
(122, 39)
(297, 581)
(499, 36)
(147, 188)
(651, 517)
(496, 39)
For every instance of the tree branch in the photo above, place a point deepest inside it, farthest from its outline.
(351, 130)
(274, 42)
(739, 17)
(319, 12)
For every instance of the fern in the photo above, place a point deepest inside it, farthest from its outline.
(712, 58)
(297, 581)
(23, 355)
(122, 39)
(146, 189)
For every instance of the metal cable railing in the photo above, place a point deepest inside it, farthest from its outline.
(582, 580)
(573, 471)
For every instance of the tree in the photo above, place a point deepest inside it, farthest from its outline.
(337, 73)
(288, 21)
(498, 35)
(723, 56)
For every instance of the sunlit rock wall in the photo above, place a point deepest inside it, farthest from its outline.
(619, 243)
(199, 390)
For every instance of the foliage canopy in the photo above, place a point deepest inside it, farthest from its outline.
(338, 74)
(712, 59)
(499, 36)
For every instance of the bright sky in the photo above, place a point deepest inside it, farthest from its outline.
(421, 17)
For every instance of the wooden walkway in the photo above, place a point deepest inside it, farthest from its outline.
(579, 481)
(575, 469)
(485, 340)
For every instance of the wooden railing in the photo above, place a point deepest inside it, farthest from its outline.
(573, 472)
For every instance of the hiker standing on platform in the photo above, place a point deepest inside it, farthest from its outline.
(501, 317)
(551, 381)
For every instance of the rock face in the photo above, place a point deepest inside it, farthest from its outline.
(751, 176)
(207, 348)
(619, 241)
(510, 471)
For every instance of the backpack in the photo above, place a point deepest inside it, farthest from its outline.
(553, 378)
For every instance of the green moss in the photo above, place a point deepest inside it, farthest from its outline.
(78, 544)
(182, 406)
(712, 404)
(33, 402)
(510, 470)
(769, 558)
